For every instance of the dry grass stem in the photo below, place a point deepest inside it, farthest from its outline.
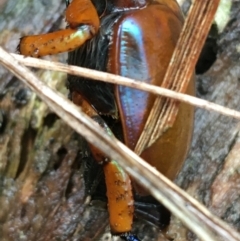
(116, 79)
(180, 70)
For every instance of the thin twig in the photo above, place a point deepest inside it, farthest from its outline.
(116, 79)
(179, 72)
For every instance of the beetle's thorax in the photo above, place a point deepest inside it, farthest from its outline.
(129, 4)
(105, 7)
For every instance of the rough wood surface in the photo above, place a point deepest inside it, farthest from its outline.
(42, 190)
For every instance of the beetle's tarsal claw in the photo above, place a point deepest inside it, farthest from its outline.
(129, 237)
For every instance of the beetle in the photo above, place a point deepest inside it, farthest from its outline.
(135, 39)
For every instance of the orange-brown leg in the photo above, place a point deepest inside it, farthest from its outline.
(83, 23)
(119, 190)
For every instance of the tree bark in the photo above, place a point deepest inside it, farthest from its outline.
(42, 189)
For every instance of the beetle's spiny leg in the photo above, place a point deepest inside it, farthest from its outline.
(54, 43)
(118, 183)
(83, 23)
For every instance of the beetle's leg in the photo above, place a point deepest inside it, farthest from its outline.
(83, 23)
(53, 43)
(119, 190)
